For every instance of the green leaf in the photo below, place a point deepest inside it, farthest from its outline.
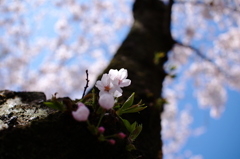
(126, 105)
(173, 76)
(133, 109)
(94, 99)
(128, 102)
(100, 110)
(134, 129)
(55, 105)
(136, 132)
(92, 129)
(133, 126)
(161, 101)
(127, 124)
(158, 56)
(117, 106)
(173, 68)
(101, 137)
(130, 127)
(130, 147)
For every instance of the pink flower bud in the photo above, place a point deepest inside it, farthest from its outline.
(112, 142)
(121, 135)
(82, 113)
(101, 129)
(106, 101)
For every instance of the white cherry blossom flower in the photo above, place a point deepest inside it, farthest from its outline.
(82, 113)
(119, 77)
(110, 87)
(105, 85)
(106, 101)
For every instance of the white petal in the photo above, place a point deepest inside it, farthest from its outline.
(105, 79)
(115, 81)
(117, 93)
(99, 85)
(102, 92)
(125, 83)
(123, 74)
(82, 113)
(113, 73)
(106, 101)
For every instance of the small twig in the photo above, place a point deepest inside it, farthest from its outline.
(85, 88)
(211, 4)
(196, 51)
(204, 57)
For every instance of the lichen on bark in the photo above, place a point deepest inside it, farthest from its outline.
(20, 108)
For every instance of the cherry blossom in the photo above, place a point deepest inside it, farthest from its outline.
(106, 86)
(82, 113)
(106, 101)
(109, 87)
(119, 77)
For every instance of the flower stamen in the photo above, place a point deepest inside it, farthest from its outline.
(107, 88)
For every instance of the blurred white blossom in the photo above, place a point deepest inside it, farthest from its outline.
(207, 57)
(59, 40)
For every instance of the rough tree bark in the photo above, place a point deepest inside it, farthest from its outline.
(59, 136)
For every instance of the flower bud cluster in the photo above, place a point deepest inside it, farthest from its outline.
(110, 87)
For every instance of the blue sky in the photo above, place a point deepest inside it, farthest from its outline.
(221, 139)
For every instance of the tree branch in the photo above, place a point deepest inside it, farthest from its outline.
(169, 16)
(203, 57)
(85, 88)
(211, 4)
(195, 50)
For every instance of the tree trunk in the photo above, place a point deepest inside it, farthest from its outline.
(143, 54)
